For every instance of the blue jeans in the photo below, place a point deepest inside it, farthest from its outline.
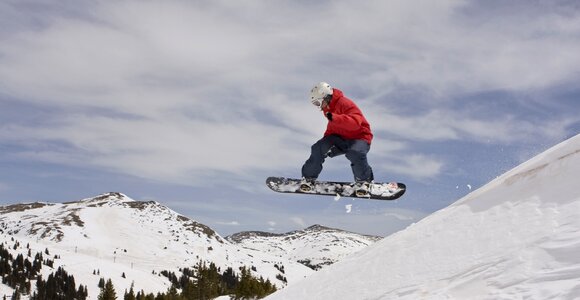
(334, 145)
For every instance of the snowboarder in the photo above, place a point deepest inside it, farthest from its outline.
(348, 132)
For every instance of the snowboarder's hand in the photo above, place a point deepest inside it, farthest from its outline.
(334, 151)
(329, 116)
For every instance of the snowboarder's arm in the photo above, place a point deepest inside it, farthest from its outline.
(350, 121)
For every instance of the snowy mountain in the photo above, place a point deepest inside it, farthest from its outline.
(517, 237)
(116, 235)
(316, 246)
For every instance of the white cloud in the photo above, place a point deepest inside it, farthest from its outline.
(178, 91)
(414, 165)
(161, 149)
(187, 48)
(298, 221)
(230, 223)
(443, 124)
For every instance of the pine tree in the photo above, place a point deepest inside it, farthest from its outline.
(131, 294)
(244, 287)
(16, 295)
(172, 294)
(108, 292)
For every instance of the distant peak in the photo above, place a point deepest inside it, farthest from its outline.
(240, 236)
(318, 227)
(115, 196)
(110, 196)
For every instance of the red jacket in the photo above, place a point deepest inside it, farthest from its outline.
(347, 119)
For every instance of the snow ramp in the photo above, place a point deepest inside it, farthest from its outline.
(518, 237)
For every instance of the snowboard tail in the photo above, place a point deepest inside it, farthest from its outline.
(377, 190)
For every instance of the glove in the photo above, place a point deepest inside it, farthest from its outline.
(334, 151)
(329, 116)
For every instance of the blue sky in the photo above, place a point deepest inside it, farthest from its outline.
(194, 103)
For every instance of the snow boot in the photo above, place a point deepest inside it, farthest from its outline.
(307, 184)
(362, 188)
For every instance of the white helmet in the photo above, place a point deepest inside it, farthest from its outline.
(319, 93)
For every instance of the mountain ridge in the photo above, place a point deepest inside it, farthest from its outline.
(115, 234)
(239, 236)
(316, 246)
(118, 235)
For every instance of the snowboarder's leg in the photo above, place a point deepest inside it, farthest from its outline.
(357, 154)
(363, 173)
(318, 152)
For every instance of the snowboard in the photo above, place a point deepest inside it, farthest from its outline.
(377, 191)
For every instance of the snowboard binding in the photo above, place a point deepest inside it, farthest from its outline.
(307, 184)
(362, 189)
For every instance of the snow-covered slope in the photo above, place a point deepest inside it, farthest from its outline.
(114, 234)
(518, 237)
(316, 246)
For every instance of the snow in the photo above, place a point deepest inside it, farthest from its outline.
(348, 208)
(319, 245)
(114, 234)
(6, 291)
(517, 237)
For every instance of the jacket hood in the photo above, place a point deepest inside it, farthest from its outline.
(336, 95)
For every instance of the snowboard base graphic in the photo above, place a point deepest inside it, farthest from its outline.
(377, 190)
